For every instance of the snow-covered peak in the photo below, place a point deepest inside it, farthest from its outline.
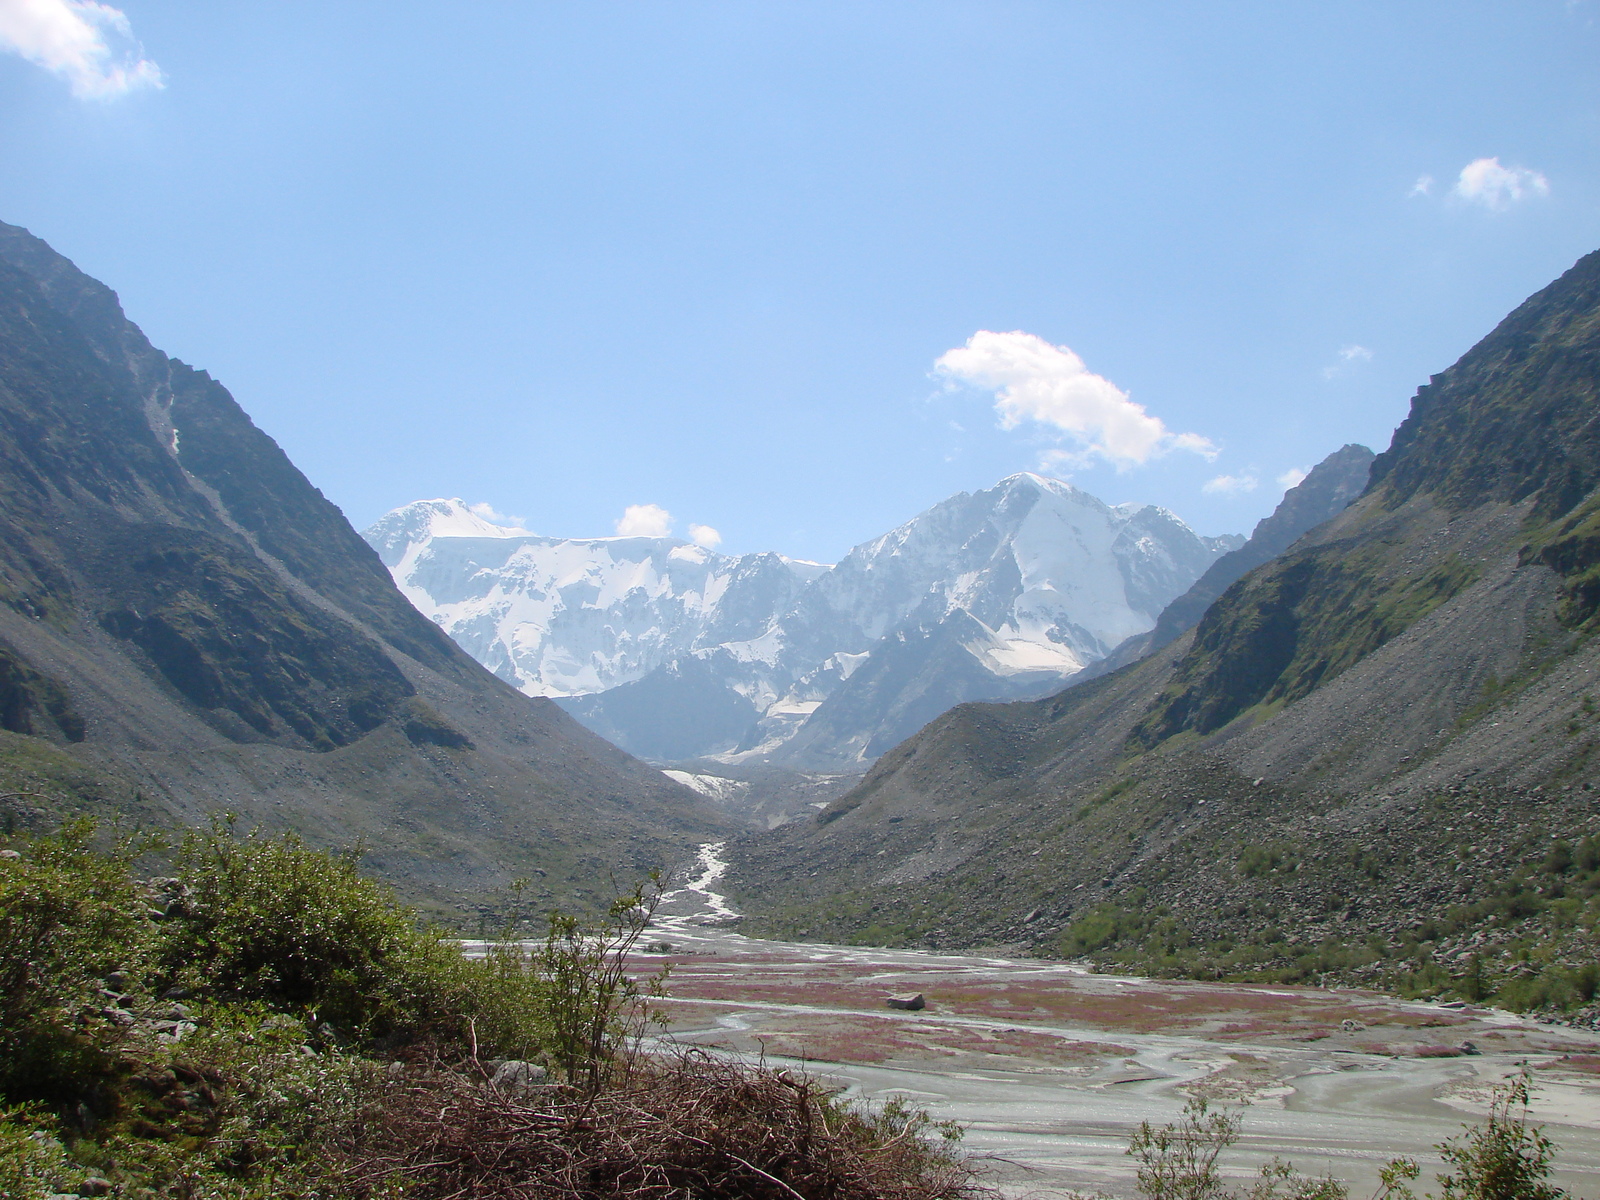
(804, 569)
(423, 520)
(570, 616)
(672, 649)
(1033, 482)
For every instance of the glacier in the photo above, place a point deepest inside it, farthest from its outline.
(676, 652)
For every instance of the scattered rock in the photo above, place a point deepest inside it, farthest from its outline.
(912, 1001)
(516, 1078)
(95, 1185)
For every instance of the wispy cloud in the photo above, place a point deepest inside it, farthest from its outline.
(704, 535)
(495, 517)
(1230, 485)
(88, 44)
(1484, 181)
(1348, 358)
(644, 520)
(1050, 386)
(1422, 187)
(1293, 477)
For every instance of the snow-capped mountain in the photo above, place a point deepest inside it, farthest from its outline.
(571, 616)
(674, 651)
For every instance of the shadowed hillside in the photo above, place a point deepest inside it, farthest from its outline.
(187, 624)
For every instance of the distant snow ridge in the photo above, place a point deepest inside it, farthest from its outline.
(569, 616)
(674, 651)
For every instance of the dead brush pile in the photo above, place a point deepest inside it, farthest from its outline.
(690, 1127)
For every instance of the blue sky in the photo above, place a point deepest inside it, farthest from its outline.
(729, 259)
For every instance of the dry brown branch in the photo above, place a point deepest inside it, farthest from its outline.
(694, 1126)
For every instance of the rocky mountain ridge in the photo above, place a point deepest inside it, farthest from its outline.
(1372, 757)
(676, 652)
(187, 624)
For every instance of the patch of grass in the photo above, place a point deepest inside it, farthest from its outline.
(1258, 862)
(1103, 798)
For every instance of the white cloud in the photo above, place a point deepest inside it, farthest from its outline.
(494, 516)
(644, 520)
(1036, 381)
(88, 44)
(1349, 358)
(1422, 187)
(704, 535)
(1484, 181)
(1230, 485)
(1293, 477)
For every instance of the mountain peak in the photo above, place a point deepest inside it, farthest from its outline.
(1033, 482)
(422, 520)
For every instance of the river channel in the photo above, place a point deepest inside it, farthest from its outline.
(1050, 1066)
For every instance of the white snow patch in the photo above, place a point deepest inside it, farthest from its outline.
(794, 708)
(713, 787)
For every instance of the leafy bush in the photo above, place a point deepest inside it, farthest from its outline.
(593, 1009)
(273, 920)
(251, 1095)
(1179, 1162)
(69, 916)
(239, 1110)
(1502, 1159)
(33, 1165)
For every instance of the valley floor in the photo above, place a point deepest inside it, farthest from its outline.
(1050, 1066)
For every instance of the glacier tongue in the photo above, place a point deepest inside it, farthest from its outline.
(674, 651)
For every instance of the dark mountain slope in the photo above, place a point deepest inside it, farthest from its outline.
(186, 624)
(1359, 760)
(1512, 423)
(1323, 494)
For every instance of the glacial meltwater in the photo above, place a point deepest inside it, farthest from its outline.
(1050, 1066)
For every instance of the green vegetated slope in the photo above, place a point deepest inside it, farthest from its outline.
(186, 624)
(1371, 757)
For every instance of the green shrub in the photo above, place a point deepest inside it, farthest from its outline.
(239, 1110)
(69, 916)
(1502, 1159)
(1179, 1162)
(1256, 862)
(1558, 987)
(33, 1165)
(273, 920)
(593, 1009)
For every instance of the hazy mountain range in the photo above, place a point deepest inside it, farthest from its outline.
(674, 651)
